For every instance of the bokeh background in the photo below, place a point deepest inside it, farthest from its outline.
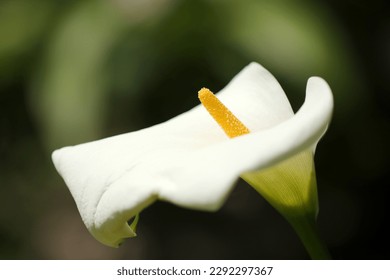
(76, 71)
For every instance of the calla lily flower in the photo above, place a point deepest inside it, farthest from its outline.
(191, 162)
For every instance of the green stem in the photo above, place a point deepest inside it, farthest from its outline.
(308, 234)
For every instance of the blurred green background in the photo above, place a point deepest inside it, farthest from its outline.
(76, 71)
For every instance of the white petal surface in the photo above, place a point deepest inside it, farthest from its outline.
(188, 160)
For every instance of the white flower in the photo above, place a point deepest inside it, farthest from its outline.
(188, 160)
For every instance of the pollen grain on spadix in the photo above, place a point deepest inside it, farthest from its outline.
(230, 124)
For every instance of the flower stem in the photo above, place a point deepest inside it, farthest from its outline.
(308, 234)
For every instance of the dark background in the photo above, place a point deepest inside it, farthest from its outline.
(76, 71)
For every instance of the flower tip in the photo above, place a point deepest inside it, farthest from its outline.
(254, 64)
(317, 86)
(255, 68)
(55, 157)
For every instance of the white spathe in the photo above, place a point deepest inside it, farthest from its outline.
(188, 160)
